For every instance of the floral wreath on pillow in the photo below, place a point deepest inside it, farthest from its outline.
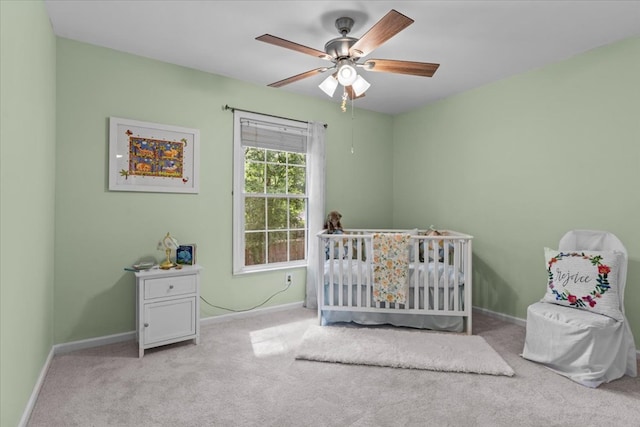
(602, 281)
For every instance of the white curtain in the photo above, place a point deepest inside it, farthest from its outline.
(316, 170)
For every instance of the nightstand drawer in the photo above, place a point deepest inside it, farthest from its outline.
(169, 286)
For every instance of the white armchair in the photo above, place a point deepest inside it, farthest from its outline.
(587, 347)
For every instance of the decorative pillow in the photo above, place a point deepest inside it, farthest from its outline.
(584, 279)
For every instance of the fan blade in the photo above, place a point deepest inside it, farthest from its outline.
(268, 38)
(390, 25)
(351, 93)
(299, 77)
(423, 69)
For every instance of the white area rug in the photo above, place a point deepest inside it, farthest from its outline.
(402, 349)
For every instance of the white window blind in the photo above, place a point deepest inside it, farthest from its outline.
(273, 137)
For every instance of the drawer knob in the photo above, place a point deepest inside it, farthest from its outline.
(146, 325)
(170, 286)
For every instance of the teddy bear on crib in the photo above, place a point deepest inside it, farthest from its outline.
(333, 226)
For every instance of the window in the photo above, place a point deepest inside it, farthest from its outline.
(270, 193)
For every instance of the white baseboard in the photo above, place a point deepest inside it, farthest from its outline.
(93, 342)
(507, 318)
(36, 391)
(245, 314)
(128, 336)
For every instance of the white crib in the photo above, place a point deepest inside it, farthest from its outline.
(440, 281)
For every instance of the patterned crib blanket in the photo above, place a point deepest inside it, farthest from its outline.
(390, 267)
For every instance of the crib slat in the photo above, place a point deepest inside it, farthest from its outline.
(358, 251)
(348, 268)
(416, 275)
(369, 265)
(456, 277)
(341, 268)
(446, 278)
(331, 272)
(436, 274)
(425, 274)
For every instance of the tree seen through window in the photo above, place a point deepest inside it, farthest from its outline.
(275, 206)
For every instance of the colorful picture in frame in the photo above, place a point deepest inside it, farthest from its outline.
(186, 254)
(153, 157)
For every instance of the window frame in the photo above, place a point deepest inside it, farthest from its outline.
(239, 195)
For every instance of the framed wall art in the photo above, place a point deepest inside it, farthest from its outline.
(153, 157)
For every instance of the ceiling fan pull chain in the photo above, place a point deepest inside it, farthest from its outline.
(352, 119)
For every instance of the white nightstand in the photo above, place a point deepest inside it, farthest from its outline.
(167, 306)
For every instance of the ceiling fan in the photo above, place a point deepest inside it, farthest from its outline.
(345, 52)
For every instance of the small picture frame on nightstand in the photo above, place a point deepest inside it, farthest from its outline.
(186, 254)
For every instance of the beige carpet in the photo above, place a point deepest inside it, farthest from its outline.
(244, 373)
(402, 348)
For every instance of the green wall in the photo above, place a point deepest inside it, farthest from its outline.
(98, 232)
(27, 134)
(519, 162)
(515, 163)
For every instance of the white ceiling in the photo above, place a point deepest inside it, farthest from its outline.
(476, 42)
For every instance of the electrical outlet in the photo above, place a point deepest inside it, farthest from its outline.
(287, 278)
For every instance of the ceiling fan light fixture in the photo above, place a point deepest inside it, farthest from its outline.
(345, 52)
(329, 85)
(360, 86)
(346, 73)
